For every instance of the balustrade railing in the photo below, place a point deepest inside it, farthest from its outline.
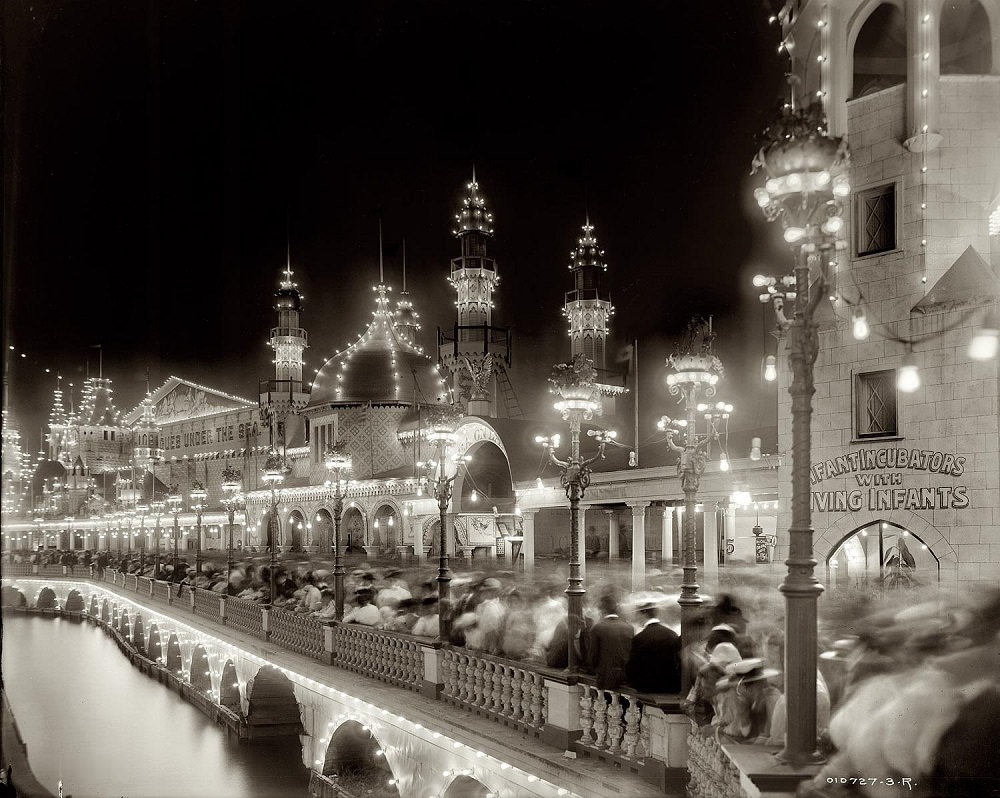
(162, 591)
(612, 721)
(132, 582)
(143, 585)
(247, 616)
(206, 602)
(295, 631)
(511, 692)
(388, 656)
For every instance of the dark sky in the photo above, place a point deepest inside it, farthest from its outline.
(160, 156)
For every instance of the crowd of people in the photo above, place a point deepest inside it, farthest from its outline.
(909, 689)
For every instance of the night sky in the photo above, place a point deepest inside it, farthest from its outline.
(161, 158)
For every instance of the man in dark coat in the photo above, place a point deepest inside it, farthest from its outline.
(654, 663)
(610, 639)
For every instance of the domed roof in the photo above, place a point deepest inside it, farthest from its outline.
(382, 367)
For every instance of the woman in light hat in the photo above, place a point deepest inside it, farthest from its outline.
(746, 700)
(698, 705)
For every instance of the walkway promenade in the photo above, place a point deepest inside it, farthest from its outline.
(584, 775)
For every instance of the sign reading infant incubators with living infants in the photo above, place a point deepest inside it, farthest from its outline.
(877, 480)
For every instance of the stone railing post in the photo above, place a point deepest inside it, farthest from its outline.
(191, 594)
(562, 726)
(329, 641)
(222, 610)
(265, 621)
(433, 670)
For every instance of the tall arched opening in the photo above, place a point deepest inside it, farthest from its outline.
(296, 526)
(272, 710)
(356, 762)
(966, 41)
(322, 531)
(880, 51)
(485, 482)
(353, 529)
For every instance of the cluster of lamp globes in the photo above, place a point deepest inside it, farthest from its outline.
(984, 345)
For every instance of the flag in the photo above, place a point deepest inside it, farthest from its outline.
(626, 355)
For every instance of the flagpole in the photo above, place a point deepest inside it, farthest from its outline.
(635, 398)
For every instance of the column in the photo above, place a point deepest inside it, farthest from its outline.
(730, 532)
(581, 534)
(667, 537)
(639, 545)
(613, 551)
(711, 545)
(528, 544)
(417, 529)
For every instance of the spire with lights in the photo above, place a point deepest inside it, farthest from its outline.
(147, 449)
(59, 426)
(475, 346)
(588, 307)
(407, 320)
(285, 394)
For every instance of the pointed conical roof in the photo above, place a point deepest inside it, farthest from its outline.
(97, 408)
(287, 297)
(587, 253)
(472, 216)
(382, 366)
(968, 281)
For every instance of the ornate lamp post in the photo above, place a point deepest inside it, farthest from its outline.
(575, 383)
(695, 372)
(232, 500)
(442, 422)
(156, 510)
(174, 504)
(274, 476)
(805, 189)
(338, 462)
(198, 497)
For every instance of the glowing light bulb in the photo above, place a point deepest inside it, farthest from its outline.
(723, 463)
(986, 339)
(770, 368)
(755, 449)
(908, 376)
(859, 325)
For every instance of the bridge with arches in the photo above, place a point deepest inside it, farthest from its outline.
(397, 743)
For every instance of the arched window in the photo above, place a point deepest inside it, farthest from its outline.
(880, 51)
(965, 39)
(882, 555)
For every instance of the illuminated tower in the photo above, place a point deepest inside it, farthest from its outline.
(588, 310)
(59, 427)
(284, 396)
(475, 352)
(407, 320)
(147, 450)
(588, 307)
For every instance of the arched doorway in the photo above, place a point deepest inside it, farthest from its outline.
(385, 528)
(882, 556)
(322, 531)
(296, 525)
(353, 529)
(356, 762)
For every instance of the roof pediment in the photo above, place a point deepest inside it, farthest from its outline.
(969, 281)
(180, 400)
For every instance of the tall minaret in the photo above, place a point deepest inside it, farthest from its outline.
(59, 426)
(474, 345)
(146, 439)
(588, 307)
(284, 396)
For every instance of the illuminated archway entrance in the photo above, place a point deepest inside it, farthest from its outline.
(296, 530)
(882, 555)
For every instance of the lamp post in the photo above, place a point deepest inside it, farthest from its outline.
(575, 383)
(805, 189)
(174, 503)
(338, 462)
(274, 476)
(695, 371)
(156, 510)
(198, 496)
(442, 422)
(232, 500)
(69, 531)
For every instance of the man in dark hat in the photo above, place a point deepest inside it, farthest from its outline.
(654, 663)
(610, 639)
